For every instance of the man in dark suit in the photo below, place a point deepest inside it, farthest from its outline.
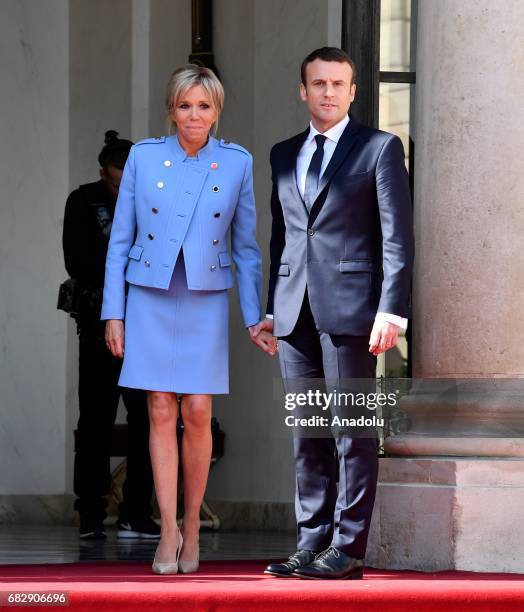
(339, 291)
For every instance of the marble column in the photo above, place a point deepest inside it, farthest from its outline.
(452, 496)
(469, 193)
(469, 219)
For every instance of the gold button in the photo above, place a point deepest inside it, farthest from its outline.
(167, 163)
(216, 215)
(160, 184)
(150, 236)
(215, 241)
(213, 268)
(154, 210)
(146, 263)
(216, 188)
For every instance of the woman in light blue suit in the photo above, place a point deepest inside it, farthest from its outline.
(180, 198)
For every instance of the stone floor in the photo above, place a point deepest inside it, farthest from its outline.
(60, 544)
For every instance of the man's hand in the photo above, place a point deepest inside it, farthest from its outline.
(384, 336)
(114, 337)
(262, 335)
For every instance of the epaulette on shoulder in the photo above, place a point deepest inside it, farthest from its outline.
(156, 140)
(232, 145)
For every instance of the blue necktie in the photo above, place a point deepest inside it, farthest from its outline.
(313, 172)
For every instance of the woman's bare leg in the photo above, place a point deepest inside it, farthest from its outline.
(196, 460)
(163, 414)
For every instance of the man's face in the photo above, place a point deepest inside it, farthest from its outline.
(112, 177)
(328, 93)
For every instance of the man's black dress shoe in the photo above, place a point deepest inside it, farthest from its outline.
(332, 564)
(298, 559)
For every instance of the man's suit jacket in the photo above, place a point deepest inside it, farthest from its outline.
(354, 250)
(167, 201)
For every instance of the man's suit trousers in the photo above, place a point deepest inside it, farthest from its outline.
(324, 516)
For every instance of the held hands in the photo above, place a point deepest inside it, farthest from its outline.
(262, 335)
(384, 336)
(114, 337)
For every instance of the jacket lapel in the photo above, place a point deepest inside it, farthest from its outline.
(295, 147)
(344, 146)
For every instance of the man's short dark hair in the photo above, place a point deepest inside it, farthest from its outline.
(327, 54)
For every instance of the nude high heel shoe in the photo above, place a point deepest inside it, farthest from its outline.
(169, 568)
(188, 567)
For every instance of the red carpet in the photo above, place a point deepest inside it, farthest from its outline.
(241, 586)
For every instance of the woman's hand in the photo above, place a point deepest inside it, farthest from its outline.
(262, 335)
(115, 337)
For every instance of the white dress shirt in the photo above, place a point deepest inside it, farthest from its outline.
(310, 146)
(304, 159)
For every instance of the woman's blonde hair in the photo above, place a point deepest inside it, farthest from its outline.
(186, 77)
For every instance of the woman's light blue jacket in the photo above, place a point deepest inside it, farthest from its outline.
(168, 201)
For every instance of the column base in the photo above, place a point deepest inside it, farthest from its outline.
(445, 513)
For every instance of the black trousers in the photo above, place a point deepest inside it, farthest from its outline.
(324, 515)
(99, 395)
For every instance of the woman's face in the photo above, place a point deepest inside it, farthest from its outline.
(194, 115)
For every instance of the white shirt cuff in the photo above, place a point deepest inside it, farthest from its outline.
(386, 317)
(269, 316)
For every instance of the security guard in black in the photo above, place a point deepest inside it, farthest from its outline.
(87, 225)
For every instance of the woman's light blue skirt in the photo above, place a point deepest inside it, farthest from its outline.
(176, 340)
